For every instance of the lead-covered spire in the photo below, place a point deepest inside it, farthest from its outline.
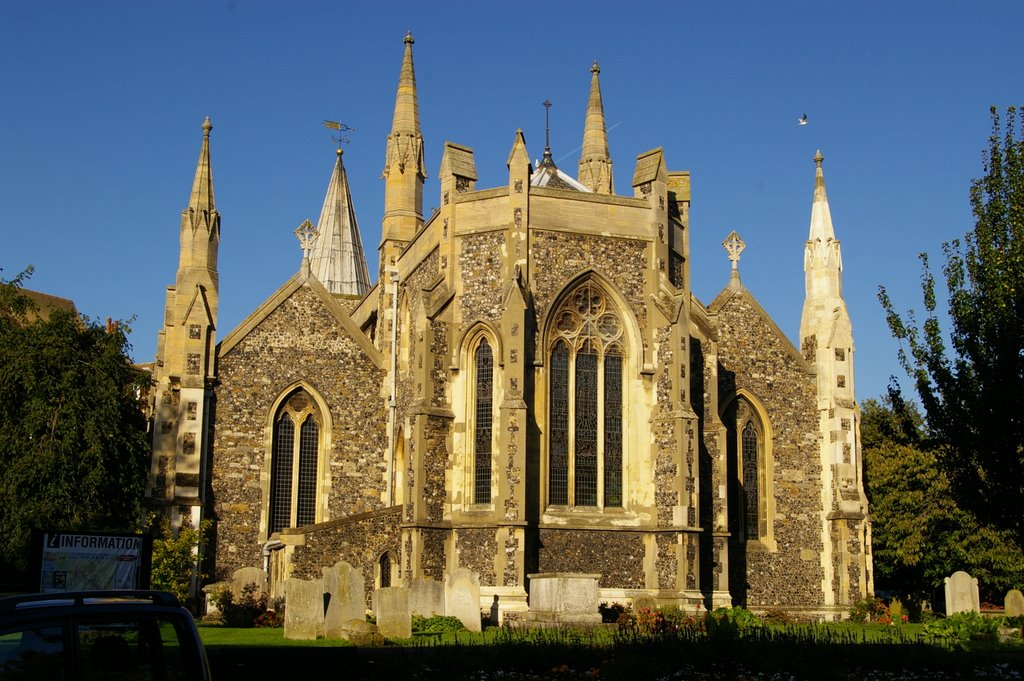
(337, 258)
(595, 162)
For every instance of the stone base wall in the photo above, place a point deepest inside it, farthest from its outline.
(617, 556)
(359, 540)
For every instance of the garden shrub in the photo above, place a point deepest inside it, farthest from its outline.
(965, 626)
(436, 624)
(244, 613)
(610, 614)
(870, 609)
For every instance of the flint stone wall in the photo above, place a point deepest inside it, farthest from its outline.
(753, 355)
(359, 541)
(299, 340)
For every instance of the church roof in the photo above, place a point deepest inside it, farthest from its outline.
(337, 258)
(547, 174)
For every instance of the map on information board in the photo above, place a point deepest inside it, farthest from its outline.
(86, 561)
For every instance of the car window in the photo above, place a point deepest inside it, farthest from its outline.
(35, 653)
(130, 649)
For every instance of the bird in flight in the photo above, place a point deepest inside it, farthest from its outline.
(802, 120)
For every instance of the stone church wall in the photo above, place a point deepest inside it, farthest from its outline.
(753, 356)
(358, 540)
(558, 256)
(618, 556)
(299, 340)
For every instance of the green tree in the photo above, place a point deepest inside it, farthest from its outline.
(176, 558)
(969, 381)
(74, 453)
(919, 533)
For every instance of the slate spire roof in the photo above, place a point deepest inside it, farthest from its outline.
(337, 258)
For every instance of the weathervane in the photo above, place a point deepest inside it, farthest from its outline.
(340, 127)
(734, 246)
(547, 126)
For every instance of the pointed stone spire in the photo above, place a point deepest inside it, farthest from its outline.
(595, 162)
(337, 258)
(201, 209)
(200, 224)
(821, 217)
(404, 169)
(405, 144)
(823, 262)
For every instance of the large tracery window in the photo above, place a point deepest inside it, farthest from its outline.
(294, 464)
(483, 423)
(585, 401)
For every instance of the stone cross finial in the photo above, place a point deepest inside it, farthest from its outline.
(734, 245)
(307, 234)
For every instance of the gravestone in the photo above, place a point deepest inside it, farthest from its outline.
(361, 633)
(426, 597)
(962, 593)
(1013, 606)
(391, 607)
(245, 576)
(564, 598)
(303, 609)
(645, 601)
(346, 599)
(462, 597)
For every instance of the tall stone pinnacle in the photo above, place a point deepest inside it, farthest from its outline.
(595, 170)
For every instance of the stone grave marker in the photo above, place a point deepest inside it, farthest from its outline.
(564, 598)
(1013, 606)
(462, 597)
(962, 593)
(394, 617)
(303, 609)
(346, 600)
(426, 597)
(245, 576)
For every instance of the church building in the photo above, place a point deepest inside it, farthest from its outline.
(530, 386)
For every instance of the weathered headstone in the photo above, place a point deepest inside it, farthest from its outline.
(242, 577)
(361, 633)
(303, 609)
(962, 593)
(645, 601)
(346, 600)
(1013, 606)
(462, 597)
(564, 598)
(391, 606)
(426, 597)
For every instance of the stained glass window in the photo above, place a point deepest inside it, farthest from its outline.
(613, 429)
(586, 401)
(294, 465)
(309, 439)
(385, 571)
(482, 436)
(559, 443)
(751, 482)
(281, 486)
(586, 427)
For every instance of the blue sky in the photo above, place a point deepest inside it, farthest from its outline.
(102, 104)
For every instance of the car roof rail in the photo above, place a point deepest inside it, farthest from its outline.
(161, 598)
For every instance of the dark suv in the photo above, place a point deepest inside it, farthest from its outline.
(109, 635)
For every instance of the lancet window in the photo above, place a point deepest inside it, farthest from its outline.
(483, 421)
(295, 460)
(585, 360)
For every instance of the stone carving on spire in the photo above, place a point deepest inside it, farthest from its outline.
(405, 143)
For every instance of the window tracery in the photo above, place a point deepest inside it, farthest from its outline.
(294, 464)
(585, 401)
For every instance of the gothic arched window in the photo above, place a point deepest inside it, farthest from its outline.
(294, 464)
(585, 401)
(751, 480)
(483, 421)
